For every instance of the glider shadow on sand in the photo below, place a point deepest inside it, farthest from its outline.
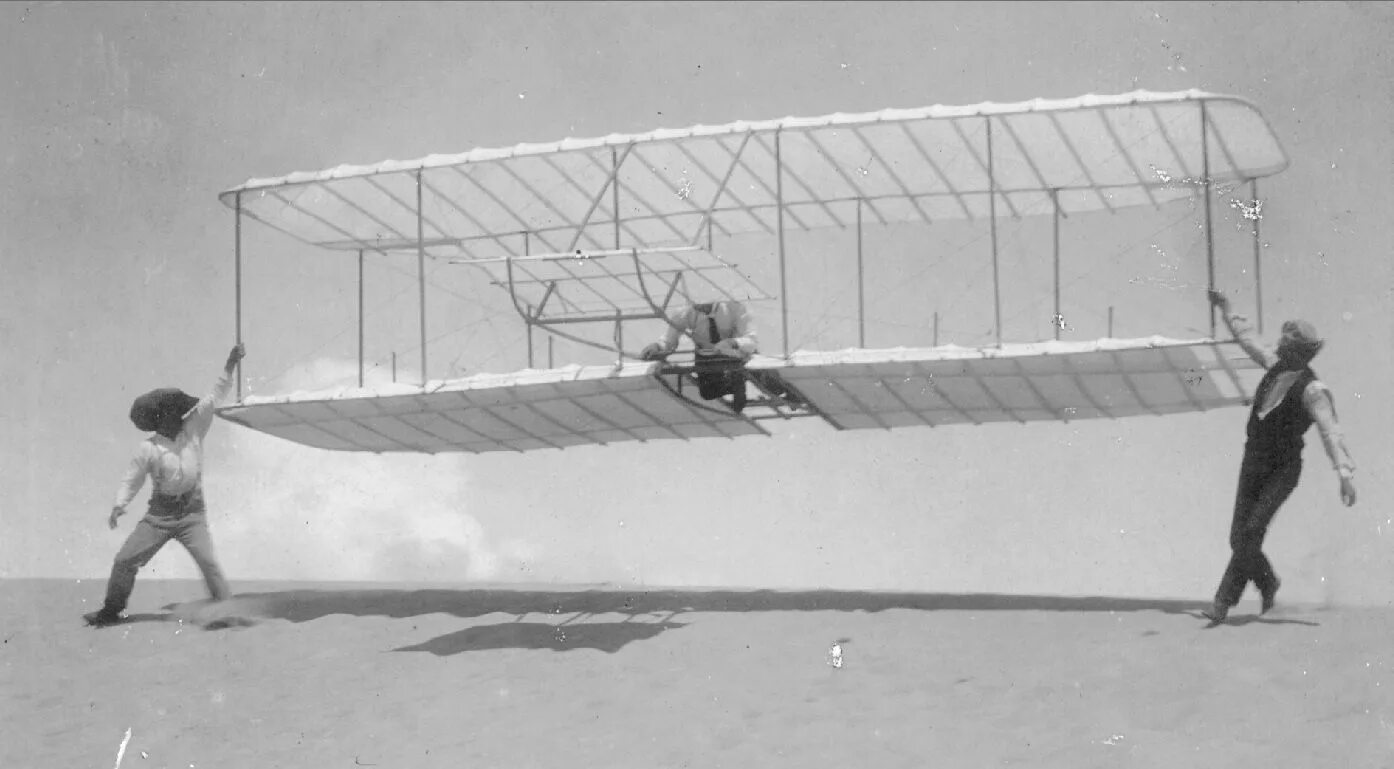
(648, 612)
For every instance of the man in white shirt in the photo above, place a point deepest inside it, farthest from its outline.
(724, 339)
(173, 460)
(1287, 402)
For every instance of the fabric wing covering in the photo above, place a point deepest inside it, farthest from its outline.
(530, 409)
(1046, 381)
(851, 389)
(898, 165)
(555, 222)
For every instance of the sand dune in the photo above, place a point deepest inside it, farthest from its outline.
(404, 676)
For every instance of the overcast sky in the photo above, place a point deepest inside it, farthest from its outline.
(123, 121)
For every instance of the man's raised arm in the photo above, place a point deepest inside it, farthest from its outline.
(200, 418)
(1243, 332)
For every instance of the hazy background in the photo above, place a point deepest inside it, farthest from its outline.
(123, 121)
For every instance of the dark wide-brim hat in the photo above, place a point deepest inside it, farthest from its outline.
(151, 410)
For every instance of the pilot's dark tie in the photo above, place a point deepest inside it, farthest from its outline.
(712, 333)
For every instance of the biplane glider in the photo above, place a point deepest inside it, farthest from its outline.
(604, 233)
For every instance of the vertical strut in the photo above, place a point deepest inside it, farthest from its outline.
(237, 279)
(360, 317)
(1209, 227)
(992, 220)
(421, 272)
(1258, 251)
(861, 287)
(1057, 320)
(615, 192)
(779, 205)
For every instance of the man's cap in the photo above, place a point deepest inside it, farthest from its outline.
(1301, 336)
(151, 409)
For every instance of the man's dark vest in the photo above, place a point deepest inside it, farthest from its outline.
(1280, 433)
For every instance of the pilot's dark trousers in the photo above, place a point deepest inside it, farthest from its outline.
(1264, 484)
(183, 518)
(719, 375)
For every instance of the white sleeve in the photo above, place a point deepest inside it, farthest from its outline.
(202, 417)
(1321, 405)
(134, 479)
(745, 330)
(677, 323)
(1244, 335)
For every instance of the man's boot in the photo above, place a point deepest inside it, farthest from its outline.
(1270, 594)
(102, 618)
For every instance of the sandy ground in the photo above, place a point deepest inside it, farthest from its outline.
(336, 675)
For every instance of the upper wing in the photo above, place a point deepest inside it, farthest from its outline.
(676, 186)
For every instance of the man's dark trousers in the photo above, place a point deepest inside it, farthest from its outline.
(1264, 484)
